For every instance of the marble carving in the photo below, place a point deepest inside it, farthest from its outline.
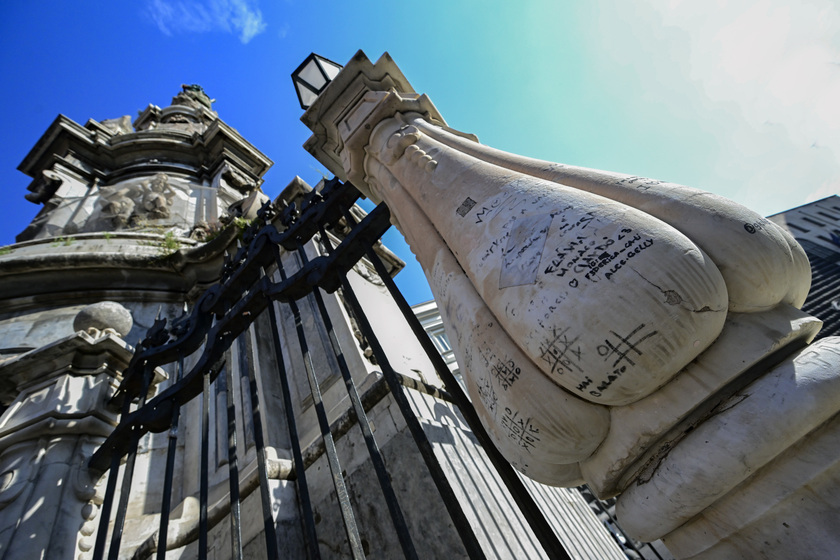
(128, 204)
(640, 336)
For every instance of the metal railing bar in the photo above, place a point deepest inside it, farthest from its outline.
(218, 511)
(456, 512)
(529, 508)
(232, 319)
(233, 469)
(462, 524)
(166, 500)
(310, 535)
(246, 355)
(245, 367)
(128, 474)
(377, 390)
(353, 538)
(204, 475)
(108, 500)
(397, 517)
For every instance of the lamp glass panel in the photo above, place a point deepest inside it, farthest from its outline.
(330, 68)
(312, 75)
(307, 97)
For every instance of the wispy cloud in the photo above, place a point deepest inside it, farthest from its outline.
(242, 17)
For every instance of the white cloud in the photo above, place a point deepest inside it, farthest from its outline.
(776, 64)
(766, 74)
(242, 17)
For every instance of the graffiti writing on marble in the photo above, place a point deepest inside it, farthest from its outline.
(494, 246)
(441, 278)
(522, 255)
(563, 352)
(640, 183)
(751, 228)
(490, 210)
(623, 348)
(599, 389)
(521, 239)
(620, 351)
(581, 257)
(587, 381)
(487, 394)
(520, 429)
(505, 372)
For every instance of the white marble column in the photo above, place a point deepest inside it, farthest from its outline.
(640, 336)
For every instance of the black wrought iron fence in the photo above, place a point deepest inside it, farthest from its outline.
(196, 349)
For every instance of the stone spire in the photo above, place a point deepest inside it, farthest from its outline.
(174, 168)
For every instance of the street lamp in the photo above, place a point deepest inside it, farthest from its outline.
(312, 76)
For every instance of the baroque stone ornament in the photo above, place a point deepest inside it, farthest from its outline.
(127, 205)
(157, 197)
(105, 316)
(637, 335)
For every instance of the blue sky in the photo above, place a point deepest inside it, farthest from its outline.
(738, 98)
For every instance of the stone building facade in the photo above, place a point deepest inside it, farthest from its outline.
(136, 222)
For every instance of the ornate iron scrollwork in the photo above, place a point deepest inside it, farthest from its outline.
(244, 291)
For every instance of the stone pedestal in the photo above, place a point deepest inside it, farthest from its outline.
(55, 421)
(640, 336)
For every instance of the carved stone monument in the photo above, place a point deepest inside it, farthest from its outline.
(87, 279)
(640, 336)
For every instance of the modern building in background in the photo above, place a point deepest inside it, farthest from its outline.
(429, 317)
(816, 226)
(138, 221)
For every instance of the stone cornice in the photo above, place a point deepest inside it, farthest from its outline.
(96, 153)
(119, 262)
(77, 354)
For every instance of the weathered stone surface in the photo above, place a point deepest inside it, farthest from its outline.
(54, 422)
(793, 497)
(104, 315)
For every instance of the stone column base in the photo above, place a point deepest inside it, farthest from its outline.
(788, 509)
(760, 478)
